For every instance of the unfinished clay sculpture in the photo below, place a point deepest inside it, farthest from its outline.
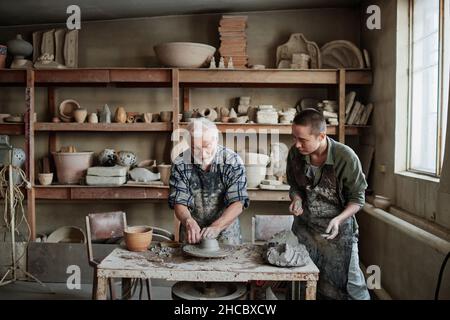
(105, 114)
(298, 44)
(47, 61)
(284, 250)
(120, 115)
(143, 175)
(208, 248)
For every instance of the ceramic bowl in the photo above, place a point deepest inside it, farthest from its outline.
(45, 179)
(184, 54)
(66, 109)
(67, 234)
(138, 238)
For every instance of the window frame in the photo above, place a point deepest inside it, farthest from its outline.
(440, 91)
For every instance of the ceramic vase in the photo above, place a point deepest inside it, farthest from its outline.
(80, 115)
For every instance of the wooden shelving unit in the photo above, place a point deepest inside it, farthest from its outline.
(131, 192)
(103, 127)
(10, 77)
(180, 81)
(12, 129)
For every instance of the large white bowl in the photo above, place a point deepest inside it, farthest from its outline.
(184, 54)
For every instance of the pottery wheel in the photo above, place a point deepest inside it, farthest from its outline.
(196, 251)
(209, 290)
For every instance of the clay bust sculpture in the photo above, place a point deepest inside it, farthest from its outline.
(46, 61)
(278, 158)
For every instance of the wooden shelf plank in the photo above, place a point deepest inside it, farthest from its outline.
(108, 127)
(72, 76)
(126, 75)
(270, 77)
(13, 129)
(249, 128)
(12, 76)
(268, 195)
(79, 192)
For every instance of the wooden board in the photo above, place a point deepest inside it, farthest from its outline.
(49, 261)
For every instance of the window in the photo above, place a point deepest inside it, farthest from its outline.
(429, 59)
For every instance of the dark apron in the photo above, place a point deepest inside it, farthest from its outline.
(321, 203)
(208, 191)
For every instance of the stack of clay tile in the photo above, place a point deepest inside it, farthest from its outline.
(233, 40)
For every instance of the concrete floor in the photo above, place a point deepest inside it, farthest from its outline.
(27, 290)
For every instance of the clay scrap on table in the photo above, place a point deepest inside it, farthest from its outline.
(284, 250)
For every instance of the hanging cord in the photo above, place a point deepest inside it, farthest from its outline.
(17, 201)
(441, 273)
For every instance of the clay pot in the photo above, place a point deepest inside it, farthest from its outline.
(45, 178)
(93, 118)
(166, 116)
(138, 238)
(209, 114)
(164, 170)
(107, 157)
(120, 115)
(187, 115)
(126, 158)
(381, 202)
(71, 166)
(19, 47)
(80, 115)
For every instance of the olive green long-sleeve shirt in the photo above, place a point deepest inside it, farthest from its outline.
(347, 166)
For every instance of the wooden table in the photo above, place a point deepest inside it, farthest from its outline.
(243, 265)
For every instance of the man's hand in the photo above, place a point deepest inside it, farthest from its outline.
(296, 206)
(210, 232)
(193, 231)
(333, 228)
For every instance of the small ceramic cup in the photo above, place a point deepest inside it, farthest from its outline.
(45, 179)
(166, 116)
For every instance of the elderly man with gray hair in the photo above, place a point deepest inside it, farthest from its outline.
(208, 187)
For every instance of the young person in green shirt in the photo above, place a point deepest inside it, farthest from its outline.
(327, 190)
